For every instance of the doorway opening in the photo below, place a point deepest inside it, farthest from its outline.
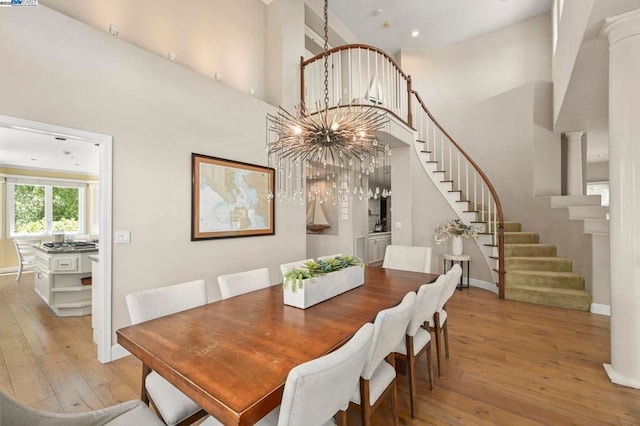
(101, 306)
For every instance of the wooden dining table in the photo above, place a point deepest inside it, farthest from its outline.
(232, 357)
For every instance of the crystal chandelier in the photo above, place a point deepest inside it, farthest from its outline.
(332, 151)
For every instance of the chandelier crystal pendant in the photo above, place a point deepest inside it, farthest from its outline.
(333, 150)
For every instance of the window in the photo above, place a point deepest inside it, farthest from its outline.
(39, 207)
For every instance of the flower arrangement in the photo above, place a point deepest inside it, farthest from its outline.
(453, 228)
(294, 278)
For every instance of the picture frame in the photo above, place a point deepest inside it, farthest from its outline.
(230, 198)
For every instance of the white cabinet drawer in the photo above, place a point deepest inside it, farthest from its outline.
(65, 264)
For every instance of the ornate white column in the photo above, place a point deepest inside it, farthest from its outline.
(623, 32)
(575, 156)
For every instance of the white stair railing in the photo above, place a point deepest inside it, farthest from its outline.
(474, 195)
(358, 74)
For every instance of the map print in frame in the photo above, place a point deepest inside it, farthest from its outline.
(230, 199)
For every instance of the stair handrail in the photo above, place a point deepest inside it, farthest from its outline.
(487, 181)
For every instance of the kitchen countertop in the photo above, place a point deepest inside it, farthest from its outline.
(378, 233)
(65, 249)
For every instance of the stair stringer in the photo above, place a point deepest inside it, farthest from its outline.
(485, 242)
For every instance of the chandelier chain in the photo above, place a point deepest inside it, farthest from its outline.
(326, 54)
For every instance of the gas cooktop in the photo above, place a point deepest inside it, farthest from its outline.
(70, 244)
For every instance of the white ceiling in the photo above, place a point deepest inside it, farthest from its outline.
(440, 22)
(35, 150)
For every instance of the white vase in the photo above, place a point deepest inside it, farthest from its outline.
(456, 246)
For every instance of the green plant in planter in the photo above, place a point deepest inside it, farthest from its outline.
(293, 279)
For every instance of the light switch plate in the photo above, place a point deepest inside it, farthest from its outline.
(398, 225)
(122, 237)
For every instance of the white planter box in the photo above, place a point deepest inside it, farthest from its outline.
(319, 289)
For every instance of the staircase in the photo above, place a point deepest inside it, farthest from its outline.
(523, 269)
(534, 273)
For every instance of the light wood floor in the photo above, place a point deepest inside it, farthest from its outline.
(511, 364)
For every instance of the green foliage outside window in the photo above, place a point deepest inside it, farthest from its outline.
(65, 209)
(29, 209)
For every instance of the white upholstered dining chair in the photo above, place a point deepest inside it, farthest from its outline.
(232, 285)
(172, 405)
(407, 258)
(379, 375)
(438, 323)
(26, 255)
(13, 413)
(318, 389)
(286, 267)
(418, 339)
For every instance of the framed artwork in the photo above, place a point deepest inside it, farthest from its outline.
(230, 199)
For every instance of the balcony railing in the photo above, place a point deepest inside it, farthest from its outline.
(360, 74)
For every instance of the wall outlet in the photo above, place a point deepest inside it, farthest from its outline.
(398, 225)
(122, 237)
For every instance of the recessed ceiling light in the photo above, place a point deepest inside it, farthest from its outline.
(379, 12)
(415, 33)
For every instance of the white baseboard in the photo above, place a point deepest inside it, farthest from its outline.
(118, 352)
(9, 270)
(483, 285)
(620, 379)
(597, 308)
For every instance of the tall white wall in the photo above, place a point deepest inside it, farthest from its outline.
(66, 73)
(598, 171)
(482, 66)
(225, 37)
(571, 25)
(285, 46)
(482, 92)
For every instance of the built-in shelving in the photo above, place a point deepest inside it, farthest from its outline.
(58, 281)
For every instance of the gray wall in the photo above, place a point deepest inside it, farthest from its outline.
(598, 172)
(158, 112)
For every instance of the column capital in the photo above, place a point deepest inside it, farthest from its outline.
(574, 136)
(624, 25)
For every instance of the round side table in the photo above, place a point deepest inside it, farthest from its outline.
(462, 260)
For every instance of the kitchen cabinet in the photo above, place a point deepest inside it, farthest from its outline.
(376, 246)
(58, 280)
